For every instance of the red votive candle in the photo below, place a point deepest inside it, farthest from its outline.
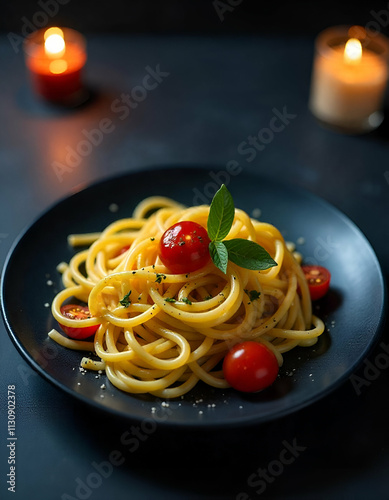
(55, 58)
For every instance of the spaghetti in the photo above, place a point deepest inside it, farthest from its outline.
(161, 333)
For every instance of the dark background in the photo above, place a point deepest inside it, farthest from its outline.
(197, 16)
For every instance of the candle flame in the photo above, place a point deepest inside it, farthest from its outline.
(353, 51)
(54, 42)
(52, 31)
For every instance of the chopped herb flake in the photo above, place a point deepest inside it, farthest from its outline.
(170, 299)
(160, 277)
(125, 302)
(186, 300)
(253, 294)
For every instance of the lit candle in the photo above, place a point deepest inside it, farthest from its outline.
(349, 78)
(55, 58)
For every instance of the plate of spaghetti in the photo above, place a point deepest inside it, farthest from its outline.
(163, 295)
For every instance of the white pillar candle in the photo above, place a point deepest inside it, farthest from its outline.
(349, 78)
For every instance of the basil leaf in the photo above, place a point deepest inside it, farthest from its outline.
(221, 214)
(248, 254)
(219, 255)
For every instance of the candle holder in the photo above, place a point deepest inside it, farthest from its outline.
(55, 58)
(349, 78)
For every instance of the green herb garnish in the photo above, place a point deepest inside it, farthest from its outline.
(253, 294)
(170, 299)
(160, 277)
(219, 255)
(125, 302)
(221, 215)
(243, 253)
(186, 300)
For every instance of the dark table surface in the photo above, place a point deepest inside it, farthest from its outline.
(217, 93)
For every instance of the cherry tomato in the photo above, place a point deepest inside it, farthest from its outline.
(122, 250)
(318, 278)
(184, 247)
(74, 311)
(250, 367)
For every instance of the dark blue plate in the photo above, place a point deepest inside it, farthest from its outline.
(353, 310)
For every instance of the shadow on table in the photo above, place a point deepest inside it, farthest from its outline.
(382, 132)
(93, 98)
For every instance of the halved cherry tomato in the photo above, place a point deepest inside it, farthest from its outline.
(318, 278)
(184, 247)
(250, 367)
(74, 311)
